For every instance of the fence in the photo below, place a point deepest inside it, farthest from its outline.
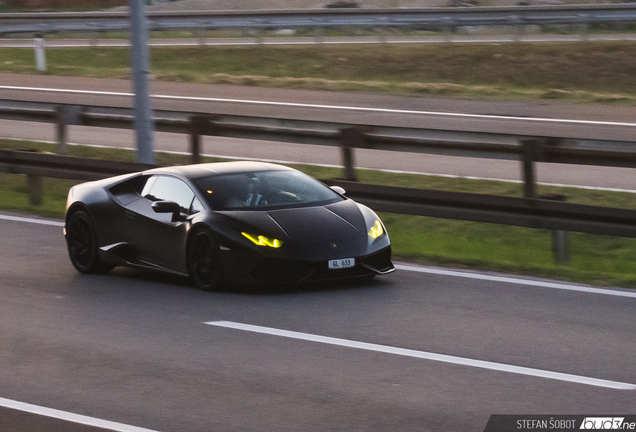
(437, 18)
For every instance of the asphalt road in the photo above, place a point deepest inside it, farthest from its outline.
(599, 122)
(134, 348)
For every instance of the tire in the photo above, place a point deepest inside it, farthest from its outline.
(81, 240)
(204, 261)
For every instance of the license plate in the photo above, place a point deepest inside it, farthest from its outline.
(342, 263)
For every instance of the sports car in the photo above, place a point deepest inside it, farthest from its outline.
(227, 222)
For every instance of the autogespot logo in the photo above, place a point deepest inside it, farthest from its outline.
(607, 423)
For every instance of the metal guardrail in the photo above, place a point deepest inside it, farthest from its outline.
(322, 18)
(526, 212)
(527, 149)
(64, 167)
(35, 166)
(530, 213)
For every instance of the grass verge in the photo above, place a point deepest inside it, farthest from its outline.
(519, 71)
(601, 260)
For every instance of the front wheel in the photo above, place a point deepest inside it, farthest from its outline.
(204, 261)
(81, 240)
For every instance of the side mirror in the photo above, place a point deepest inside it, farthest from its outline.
(168, 207)
(338, 189)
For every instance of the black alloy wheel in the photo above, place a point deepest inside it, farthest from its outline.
(204, 261)
(81, 239)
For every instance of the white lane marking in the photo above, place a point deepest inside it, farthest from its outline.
(331, 107)
(32, 220)
(501, 367)
(518, 281)
(71, 417)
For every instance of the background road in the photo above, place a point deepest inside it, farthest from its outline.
(599, 122)
(133, 347)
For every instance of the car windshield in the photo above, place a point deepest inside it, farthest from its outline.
(264, 190)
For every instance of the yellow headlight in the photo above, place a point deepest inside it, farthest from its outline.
(376, 230)
(263, 241)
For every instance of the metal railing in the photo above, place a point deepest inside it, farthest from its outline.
(527, 149)
(440, 18)
(543, 213)
(526, 212)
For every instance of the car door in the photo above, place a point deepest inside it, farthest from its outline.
(158, 239)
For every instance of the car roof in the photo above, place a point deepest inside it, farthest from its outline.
(217, 168)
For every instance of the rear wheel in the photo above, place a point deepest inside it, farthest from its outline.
(81, 240)
(204, 261)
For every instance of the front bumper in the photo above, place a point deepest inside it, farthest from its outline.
(284, 271)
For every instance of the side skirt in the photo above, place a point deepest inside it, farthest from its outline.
(123, 254)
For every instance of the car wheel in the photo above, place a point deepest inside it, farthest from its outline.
(204, 261)
(81, 240)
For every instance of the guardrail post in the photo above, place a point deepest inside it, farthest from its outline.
(319, 35)
(448, 28)
(94, 36)
(584, 26)
(61, 130)
(560, 248)
(199, 125)
(350, 138)
(195, 148)
(40, 57)
(381, 35)
(515, 23)
(34, 184)
(260, 29)
(347, 162)
(382, 30)
(530, 152)
(66, 115)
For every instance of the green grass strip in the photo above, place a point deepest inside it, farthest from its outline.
(577, 71)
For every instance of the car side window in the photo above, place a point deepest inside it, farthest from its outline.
(166, 188)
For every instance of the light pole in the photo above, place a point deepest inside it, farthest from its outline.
(141, 69)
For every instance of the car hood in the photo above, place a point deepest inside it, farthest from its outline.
(335, 222)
